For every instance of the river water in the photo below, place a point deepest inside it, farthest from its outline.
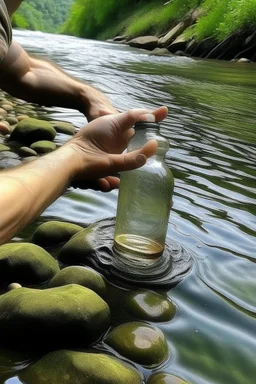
(212, 134)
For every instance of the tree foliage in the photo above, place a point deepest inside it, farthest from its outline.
(105, 19)
(43, 15)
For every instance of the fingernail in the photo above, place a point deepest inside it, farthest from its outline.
(140, 159)
(148, 117)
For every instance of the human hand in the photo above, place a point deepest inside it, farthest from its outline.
(99, 148)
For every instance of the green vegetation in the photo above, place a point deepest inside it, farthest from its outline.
(42, 15)
(97, 19)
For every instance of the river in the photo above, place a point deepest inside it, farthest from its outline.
(212, 134)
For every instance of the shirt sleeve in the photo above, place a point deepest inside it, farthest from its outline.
(5, 30)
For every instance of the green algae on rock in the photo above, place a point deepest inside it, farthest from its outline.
(43, 146)
(26, 264)
(72, 367)
(148, 305)
(27, 152)
(80, 246)
(54, 233)
(63, 127)
(4, 148)
(69, 315)
(165, 378)
(31, 130)
(84, 276)
(139, 342)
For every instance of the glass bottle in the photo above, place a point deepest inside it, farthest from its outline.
(144, 202)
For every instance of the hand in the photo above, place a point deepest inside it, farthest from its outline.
(99, 148)
(95, 104)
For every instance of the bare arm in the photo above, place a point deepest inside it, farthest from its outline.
(93, 154)
(44, 83)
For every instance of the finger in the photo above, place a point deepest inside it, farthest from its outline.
(108, 183)
(126, 120)
(132, 160)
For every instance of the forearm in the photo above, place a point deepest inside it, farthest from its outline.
(27, 190)
(44, 83)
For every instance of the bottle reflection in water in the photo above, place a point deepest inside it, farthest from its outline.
(144, 201)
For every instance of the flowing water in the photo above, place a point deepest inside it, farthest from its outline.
(212, 133)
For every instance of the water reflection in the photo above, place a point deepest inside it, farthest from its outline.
(211, 128)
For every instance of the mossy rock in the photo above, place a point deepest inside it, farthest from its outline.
(63, 127)
(165, 378)
(54, 233)
(43, 146)
(148, 305)
(26, 264)
(30, 130)
(69, 315)
(27, 152)
(80, 246)
(138, 342)
(72, 367)
(4, 148)
(12, 120)
(84, 276)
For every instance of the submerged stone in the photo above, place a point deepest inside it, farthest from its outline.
(84, 276)
(72, 367)
(4, 148)
(26, 264)
(63, 127)
(54, 233)
(165, 378)
(58, 316)
(31, 130)
(148, 305)
(138, 342)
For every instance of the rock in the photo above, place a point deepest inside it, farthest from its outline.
(9, 163)
(43, 146)
(180, 53)
(4, 148)
(148, 305)
(13, 286)
(202, 48)
(80, 246)
(7, 107)
(6, 102)
(4, 128)
(3, 112)
(84, 276)
(140, 343)
(165, 378)
(120, 38)
(166, 40)
(27, 152)
(72, 367)
(22, 117)
(144, 42)
(69, 315)
(160, 52)
(178, 44)
(26, 264)
(63, 127)
(243, 60)
(54, 233)
(29, 131)
(12, 120)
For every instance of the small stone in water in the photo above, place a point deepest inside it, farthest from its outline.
(13, 286)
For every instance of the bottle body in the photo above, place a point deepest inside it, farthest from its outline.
(144, 202)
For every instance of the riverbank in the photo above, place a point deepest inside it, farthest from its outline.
(180, 40)
(212, 29)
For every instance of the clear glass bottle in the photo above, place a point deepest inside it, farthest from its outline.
(144, 202)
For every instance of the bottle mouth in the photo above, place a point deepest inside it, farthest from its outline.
(145, 124)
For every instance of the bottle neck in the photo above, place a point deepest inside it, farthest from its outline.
(145, 132)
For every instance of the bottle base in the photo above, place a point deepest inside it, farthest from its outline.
(137, 248)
